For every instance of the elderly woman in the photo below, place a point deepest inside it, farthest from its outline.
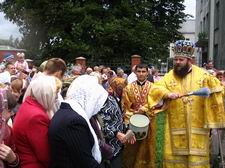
(30, 129)
(73, 141)
(114, 128)
(117, 85)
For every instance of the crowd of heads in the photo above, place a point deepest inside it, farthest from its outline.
(53, 80)
(20, 71)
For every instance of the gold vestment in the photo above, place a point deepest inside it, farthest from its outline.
(188, 119)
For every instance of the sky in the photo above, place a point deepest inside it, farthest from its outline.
(190, 7)
(8, 28)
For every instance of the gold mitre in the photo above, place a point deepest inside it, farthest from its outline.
(183, 48)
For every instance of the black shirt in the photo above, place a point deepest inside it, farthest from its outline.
(70, 140)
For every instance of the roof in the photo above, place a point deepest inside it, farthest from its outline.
(9, 48)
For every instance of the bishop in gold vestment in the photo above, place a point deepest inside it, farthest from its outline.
(188, 119)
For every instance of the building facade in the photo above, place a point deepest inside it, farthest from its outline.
(188, 29)
(210, 30)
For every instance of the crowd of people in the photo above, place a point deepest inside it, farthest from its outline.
(52, 117)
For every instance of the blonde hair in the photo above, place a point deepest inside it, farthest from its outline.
(98, 75)
(58, 84)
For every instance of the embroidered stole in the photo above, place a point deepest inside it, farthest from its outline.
(140, 93)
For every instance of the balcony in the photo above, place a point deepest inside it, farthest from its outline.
(202, 40)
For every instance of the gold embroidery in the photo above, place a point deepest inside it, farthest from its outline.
(185, 162)
(215, 125)
(216, 90)
(200, 131)
(172, 84)
(140, 94)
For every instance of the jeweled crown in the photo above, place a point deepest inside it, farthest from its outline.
(184, 48)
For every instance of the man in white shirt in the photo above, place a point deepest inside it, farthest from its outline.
(132, 77)
(5, 77)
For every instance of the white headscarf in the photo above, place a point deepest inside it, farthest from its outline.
(28, 90)
(86, 96)
(43, 89)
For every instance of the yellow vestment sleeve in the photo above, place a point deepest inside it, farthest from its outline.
(214, 106)
(157, 93)
(127, 104)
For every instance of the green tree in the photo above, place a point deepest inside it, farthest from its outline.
(97, 29)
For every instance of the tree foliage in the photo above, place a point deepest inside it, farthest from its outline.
(97, 29)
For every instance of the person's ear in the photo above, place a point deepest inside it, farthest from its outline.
(58, 74)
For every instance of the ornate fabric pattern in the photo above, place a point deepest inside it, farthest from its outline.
(140, 94)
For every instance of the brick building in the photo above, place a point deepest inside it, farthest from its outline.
(6, 50)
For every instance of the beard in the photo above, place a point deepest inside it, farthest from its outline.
(181, 71)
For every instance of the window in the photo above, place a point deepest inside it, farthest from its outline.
(201, 27)
(207, 23)
(217, 15)
(204, 24)
(216, 54)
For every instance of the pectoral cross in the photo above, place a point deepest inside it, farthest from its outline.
(190, 100)
(187, 100)
(172, 83)
(200, 83)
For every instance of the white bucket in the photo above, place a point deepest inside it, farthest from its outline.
(139, 125)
